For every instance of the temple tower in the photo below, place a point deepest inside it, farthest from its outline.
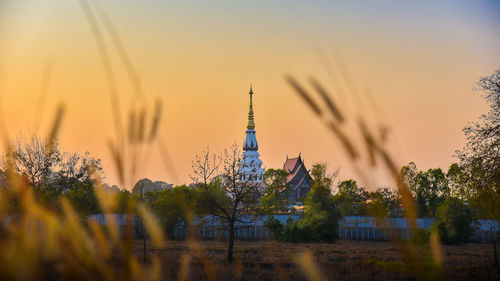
(251, 165)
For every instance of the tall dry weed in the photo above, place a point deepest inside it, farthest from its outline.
(50, 245)
(376, 154)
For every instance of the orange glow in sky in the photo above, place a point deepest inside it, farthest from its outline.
(420, 61)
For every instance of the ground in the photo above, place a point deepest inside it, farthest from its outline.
(344, 260)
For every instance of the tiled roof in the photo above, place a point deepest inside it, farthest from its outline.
(290, 164)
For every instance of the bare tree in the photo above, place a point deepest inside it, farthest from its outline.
(225, 196)
(34, 159)
(73, 168)
(44, 165)
(480, 158)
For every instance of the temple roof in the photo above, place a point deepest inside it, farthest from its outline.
(292, 166)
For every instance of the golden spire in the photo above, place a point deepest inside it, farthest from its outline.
(250, 124)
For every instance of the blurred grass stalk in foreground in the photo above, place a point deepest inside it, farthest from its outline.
(42, 244)
(424, 267)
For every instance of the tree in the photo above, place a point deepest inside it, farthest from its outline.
(351, 198)
(429, 188)
(146, 185)
(230, 197)
(321, 214)
(454, 222)
(53, 173)
(73, 170)
(457, 182)
(275, 197)
(33, 158)
(384, 202)
(275, 226)
(320, 196)
(480, 158)
(173, 206)
(83, 198)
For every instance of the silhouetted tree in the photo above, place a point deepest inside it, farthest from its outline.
(33, 158)
(429, 188)
(53, 173)
(226, 197)
(480, 158)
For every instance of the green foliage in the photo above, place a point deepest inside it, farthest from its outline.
(421, 236)
(321, 215)
(212, 199)
(145, 185)
(124, 201)
(295, 232)
(322, 226)
(172, 206)
(274, 226)
(454, 222)
(52, 173)
(275, 198)
(384, 202)
(84, 199)
(458, 183)
(429, 188)
(351, 198)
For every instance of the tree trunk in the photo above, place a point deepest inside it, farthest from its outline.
(231, 243)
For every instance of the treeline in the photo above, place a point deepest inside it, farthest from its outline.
(52, 174)
(436, 195)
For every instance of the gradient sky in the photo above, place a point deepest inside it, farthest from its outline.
(419, 59)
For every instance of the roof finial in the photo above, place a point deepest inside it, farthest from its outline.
(250, 123)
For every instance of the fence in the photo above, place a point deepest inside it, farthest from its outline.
(215, 232)
(350, 228)
(386, 234)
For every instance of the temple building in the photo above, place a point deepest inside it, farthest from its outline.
(299, 181)
(251, 165)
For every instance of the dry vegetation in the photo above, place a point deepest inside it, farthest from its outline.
(344, 260)
(40, 244)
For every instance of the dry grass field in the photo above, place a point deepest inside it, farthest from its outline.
(344, 260)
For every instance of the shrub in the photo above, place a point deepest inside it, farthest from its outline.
(321, 215)
(421, 236)
(295, 232)
(454, 222)
(274, 226)
(322, 226)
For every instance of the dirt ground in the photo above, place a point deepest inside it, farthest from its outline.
(343, 260)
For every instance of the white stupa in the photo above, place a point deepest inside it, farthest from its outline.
(251, 165)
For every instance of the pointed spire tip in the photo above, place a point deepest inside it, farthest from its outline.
(250, 124)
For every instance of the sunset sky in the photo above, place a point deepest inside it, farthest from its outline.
(420, 60)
